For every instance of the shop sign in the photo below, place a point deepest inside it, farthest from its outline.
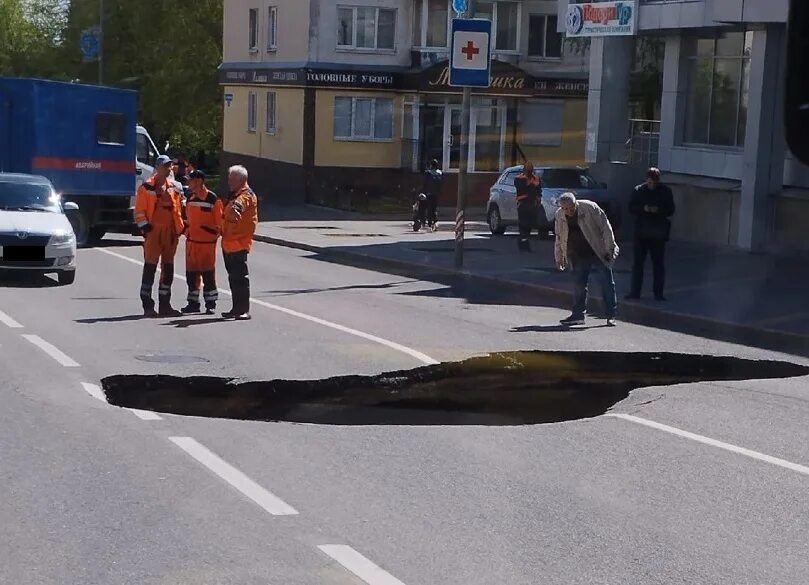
(602, 19)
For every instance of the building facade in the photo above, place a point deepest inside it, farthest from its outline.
(343, 102)
(721, 130)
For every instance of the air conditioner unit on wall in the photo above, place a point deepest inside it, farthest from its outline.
(425, 59)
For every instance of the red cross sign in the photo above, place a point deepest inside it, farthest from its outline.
(470, 57)
(470, 50)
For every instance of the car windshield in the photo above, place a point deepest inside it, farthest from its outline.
(16, 196)
(567, 179)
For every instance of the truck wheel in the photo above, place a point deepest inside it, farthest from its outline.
(96, 235)
(81, 227)
(66, 277)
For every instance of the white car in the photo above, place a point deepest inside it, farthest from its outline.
(35, 234)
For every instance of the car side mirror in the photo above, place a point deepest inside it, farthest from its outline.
(70, 206)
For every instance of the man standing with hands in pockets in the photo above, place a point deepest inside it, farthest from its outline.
(585, 243)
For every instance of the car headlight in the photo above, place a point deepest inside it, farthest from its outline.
(62, 238)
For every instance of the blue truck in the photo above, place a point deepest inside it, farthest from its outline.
(82, 138)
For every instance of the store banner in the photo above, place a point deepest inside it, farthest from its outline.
(602, 19)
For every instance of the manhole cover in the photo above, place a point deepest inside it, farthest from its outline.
(161, 358)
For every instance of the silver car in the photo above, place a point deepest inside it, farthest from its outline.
(501, 209)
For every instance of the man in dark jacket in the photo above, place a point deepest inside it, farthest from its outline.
(529, 195)
(652, 204)
(433, 178)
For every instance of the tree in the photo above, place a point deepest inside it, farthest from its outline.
(30, 31)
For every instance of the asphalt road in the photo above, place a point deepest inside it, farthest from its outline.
(714, 491)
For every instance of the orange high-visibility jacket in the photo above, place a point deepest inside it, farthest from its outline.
(147, 201)
(241, 219)
(205, 214)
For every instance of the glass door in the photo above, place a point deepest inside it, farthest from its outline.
(452, 130)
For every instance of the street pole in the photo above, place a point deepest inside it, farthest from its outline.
(100, 42)
(460, 210)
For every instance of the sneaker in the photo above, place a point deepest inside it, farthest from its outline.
(573, 320)
(190, 308)
(229, 315)
(210, 311)
(243, 317)
(611, 322)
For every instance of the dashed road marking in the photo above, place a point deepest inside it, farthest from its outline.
(96, 392)
(713, 442)
(52, 351)
(271, 503)
(422, 357)
(359, 565)
(9, 322)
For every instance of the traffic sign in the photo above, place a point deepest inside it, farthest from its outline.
(89, 45)
(470, 56)
(460, 6)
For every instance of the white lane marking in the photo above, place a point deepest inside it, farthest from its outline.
(94, 391)
(97, 393)
(422, 357)
(713, 442)
(234, 477)
(9, 322)
(52, 351)
(144, 414)
(359, 565)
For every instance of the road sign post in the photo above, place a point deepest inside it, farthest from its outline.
(470, 66)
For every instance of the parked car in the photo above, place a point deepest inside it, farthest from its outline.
(35, 234)
(501, 210)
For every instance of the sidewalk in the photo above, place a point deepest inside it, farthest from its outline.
(753, 299)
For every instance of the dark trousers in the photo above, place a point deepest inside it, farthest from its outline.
(582, 267)
(238, 276)
(210, 292)
(656, 249)
(527, 222)
(164, 289)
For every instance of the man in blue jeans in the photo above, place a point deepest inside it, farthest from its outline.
(585, 243)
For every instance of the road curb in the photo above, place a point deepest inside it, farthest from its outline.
(630, 312)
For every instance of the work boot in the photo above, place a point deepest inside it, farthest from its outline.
(190, 308)
(210, 310)
(168, 311)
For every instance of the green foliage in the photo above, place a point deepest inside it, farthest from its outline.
(168, 51)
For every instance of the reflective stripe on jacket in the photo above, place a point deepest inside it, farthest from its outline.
(147, 200)
(205, 214)
(241, 219)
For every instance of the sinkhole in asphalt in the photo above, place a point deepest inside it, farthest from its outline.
(516, 388)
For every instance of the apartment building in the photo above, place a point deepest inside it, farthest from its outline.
(721, 134)
(329, 101)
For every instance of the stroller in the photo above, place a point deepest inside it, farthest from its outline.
(420, 218)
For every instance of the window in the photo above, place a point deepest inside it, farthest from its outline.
(272, 28)
(252, 30)
(718, 71)
(541, 122)
(144, 151)
(366, 27)
(437, 23)
(505, 17)
(270, 127)
(543, 40)
(252, 110)
(111, 129)
(360, 118)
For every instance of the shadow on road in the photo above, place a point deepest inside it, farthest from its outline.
(20, 280)
(303, 291)
(119, 319)
(191, 322)
(555, 328)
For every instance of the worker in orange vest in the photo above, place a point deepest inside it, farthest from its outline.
(241, 219)
(158, 215)
(204, 222)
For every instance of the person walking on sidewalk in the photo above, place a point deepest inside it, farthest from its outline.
(652, 204)
(585, 243)
(529, 194)
(205, 222)
(158, 215)
(241, 219)
(433, 178)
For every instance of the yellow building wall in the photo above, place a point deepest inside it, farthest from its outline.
(571, 151)
(286, 145)
(331, 152)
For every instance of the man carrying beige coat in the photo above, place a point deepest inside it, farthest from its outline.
(585, 243)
